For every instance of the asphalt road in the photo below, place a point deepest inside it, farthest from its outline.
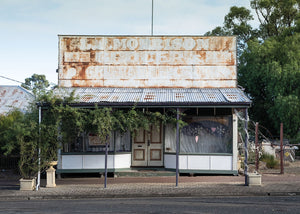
(290, 204)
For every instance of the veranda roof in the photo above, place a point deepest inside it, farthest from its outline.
(158, 96)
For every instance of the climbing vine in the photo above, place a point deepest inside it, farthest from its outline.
(103, 121)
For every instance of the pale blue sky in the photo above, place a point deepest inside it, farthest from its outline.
(29, 29)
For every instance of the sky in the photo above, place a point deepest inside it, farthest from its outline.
(29, 29)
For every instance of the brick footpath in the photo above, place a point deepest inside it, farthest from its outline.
(203, 186)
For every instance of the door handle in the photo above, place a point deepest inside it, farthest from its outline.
(148, 142)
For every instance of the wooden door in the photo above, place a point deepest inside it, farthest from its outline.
(147, 148)
(155, 147)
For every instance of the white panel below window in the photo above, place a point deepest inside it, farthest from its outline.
(72, 162)
(122, 161)
(198, 162)
(221, 162)
(183, 162)
(97, 161)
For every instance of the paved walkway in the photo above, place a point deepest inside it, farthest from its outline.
(74, 188)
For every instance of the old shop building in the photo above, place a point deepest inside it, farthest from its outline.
(195, 74)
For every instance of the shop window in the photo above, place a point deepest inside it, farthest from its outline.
(122, 142)
(88, 143)
(170, 138)
(207, 135)
(94, 144)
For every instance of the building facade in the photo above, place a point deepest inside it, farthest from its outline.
(197, 75)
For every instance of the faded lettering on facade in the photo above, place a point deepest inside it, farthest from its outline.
(162, 61)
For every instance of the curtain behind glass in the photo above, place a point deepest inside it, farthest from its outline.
(207, 135)
(122, 142)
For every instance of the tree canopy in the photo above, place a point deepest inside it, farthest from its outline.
(37, 83)
(269, 57)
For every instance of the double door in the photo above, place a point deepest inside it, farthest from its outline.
(147, 148)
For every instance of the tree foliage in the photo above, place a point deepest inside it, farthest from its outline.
(37, 83)
(236, 22)
(275, 16)
(10, 130)
(268, 66)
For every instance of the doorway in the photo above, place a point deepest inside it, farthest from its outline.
(147, 147)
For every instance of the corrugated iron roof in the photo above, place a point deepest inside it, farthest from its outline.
(14, 97)
(159, 96)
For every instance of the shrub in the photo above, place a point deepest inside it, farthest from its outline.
(270, 161)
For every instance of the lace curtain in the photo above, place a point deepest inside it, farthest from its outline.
(202, 135)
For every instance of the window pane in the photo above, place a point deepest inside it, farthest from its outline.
(122, 142)
(170, 138)
(207, 135)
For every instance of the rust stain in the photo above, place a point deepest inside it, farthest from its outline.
(211, 96)
(179, 95)
(103, 97)
(75, 43)
(232, 60)
(81, 75)
(14, 92)
(232, 96)
(115, 98)
(219, 44)
(76, 84)
(3, 93)
(202, 54)
(68, 43)
(90, 41)
(228, 44)
(92, 56)
(87, 97)
(149, 96)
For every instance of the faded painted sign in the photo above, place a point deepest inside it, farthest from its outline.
(147, 62)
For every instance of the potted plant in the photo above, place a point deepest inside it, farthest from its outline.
(38, 151)
(28, 164)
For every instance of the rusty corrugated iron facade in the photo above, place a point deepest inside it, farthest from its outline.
(147, 61)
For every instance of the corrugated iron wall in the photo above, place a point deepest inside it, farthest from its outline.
(147, 61)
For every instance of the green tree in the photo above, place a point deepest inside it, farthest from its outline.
(275, 16)
(269, 71)
(37, 83)
(236, 22)
(10, 129)
(268, 65)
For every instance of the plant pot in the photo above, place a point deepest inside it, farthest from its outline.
(27, 184)
(51, 174)
(52, 163)
(254, 179)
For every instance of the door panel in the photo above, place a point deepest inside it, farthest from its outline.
(139, 149)
(140, 136)
(155, 147)
(147, 148)
(156, 134)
